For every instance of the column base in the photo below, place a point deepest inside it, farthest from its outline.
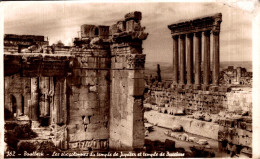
(188, 86)
(213, 88)
(205, 87)
(181, 86)
(224, 89)
(196, 86)
(174, 85)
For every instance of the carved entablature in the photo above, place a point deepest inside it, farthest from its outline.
(129, 29)
(197, 25)
(135, 61)
(34, 65)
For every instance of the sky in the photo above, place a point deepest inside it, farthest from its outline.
(62, 21)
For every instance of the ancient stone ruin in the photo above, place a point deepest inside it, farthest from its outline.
(214, 104)
(88, 96)
(183, 34)
(93, 96)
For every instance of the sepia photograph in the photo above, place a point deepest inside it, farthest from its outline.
(127, 79)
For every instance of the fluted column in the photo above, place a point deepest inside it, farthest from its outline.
(197, 44)
(182, 59)
(206, 59)
(189, 52)
(215, 79)
(175, 59)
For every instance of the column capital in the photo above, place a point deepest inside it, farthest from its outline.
(190, 35)
(182, 36)
(197, 34)
(175, 36)
(207, 33)
(215, 32)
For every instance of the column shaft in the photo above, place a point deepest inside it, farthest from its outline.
(182, 59)
(206, 60)
(215, 58)
(34, 99)
(175, 59)
(197, 43)
(19, 104)
(44, 103)
(60, 102)
(189, 52)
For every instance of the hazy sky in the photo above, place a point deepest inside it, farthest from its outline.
(62, 21)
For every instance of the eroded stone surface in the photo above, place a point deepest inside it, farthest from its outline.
(89, 95)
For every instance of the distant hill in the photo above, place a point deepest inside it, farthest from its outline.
(166, 68)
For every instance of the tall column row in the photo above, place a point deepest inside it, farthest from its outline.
(184, 48)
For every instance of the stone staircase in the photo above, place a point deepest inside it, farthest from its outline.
(44, 133)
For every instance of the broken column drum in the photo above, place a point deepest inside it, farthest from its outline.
(206, 28)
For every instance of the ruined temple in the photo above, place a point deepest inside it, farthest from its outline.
(213, 104)
(236, 76)
(88, 96)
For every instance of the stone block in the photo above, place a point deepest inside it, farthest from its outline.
(89, 73)
(133, 15)
(130, 25)
(74, 80)
(103, 103)
(196, 87)
(88, 81)
(213, 88)
(90, 104)
(103, 96)
(249, 127)
(74, 97)
(205, 87)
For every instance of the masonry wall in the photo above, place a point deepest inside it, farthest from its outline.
(211, 101)
(89, 100)
(18, 88)
(127, 84)
(90, 93)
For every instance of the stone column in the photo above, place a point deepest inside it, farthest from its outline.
(34, 99)
(175, 59)
(19, 104)
(216, 65)
(206, 59)
(182, 59)
(197, 44)
(60, 102)
(44, 85)
(189, 52)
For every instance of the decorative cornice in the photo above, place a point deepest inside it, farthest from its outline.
(197, 25)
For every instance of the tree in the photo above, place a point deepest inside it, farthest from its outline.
(159, 73)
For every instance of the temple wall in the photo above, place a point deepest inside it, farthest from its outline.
(89, 95)
(20, 89)
(89, 100)
(127, 84)
(225, 99)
